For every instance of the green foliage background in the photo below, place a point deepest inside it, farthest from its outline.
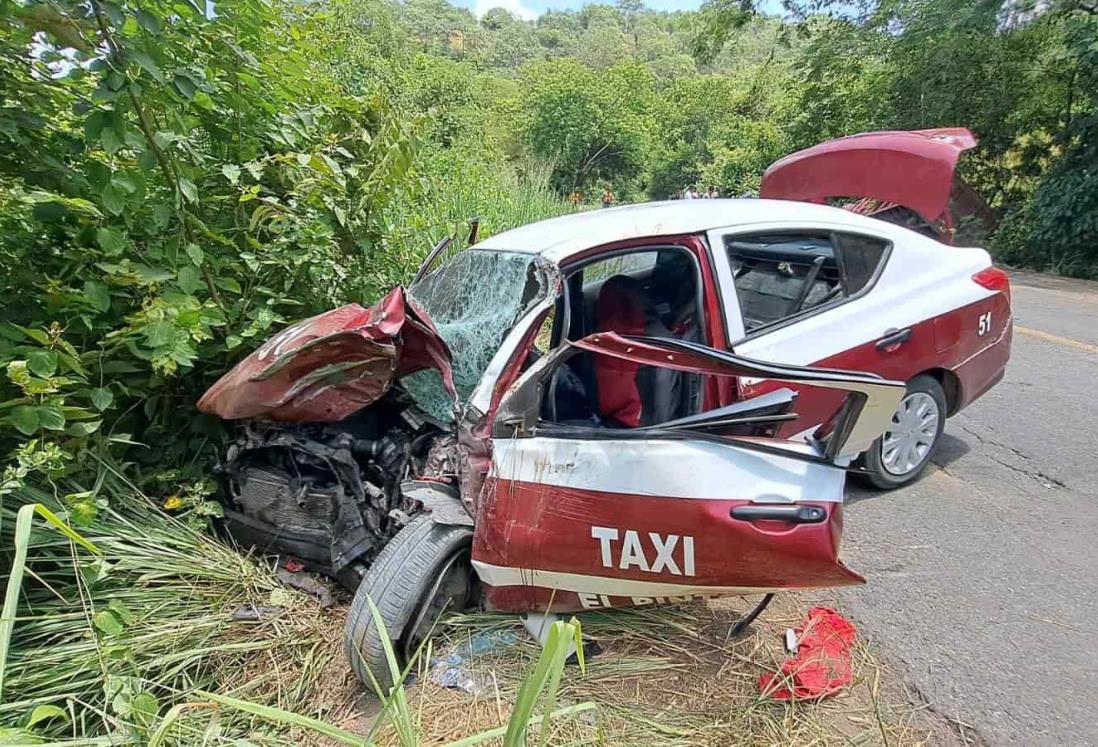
(179, 179)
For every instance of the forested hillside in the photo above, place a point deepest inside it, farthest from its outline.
(181, 178)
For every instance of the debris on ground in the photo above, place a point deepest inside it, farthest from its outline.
(309, 583)
(821, 666)
(255, 613)
(666, 676)
(453, 672)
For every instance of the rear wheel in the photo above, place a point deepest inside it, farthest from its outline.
(901, 454)
(423, 572)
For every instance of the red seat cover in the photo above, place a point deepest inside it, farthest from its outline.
(621, 309)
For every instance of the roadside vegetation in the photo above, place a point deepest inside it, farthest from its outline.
(180, 179)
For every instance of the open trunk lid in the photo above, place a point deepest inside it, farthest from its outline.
(913, 169)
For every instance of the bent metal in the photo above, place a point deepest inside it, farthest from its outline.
(562, 416)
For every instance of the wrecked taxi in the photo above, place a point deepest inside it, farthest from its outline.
(562, 416)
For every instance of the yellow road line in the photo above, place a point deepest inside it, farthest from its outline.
(1086, 347)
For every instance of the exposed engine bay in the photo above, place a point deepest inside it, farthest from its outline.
(329, 494)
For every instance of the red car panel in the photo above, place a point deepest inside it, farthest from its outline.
(327, 367)
(910, 168)
(682, 548)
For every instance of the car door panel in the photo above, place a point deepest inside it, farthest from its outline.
(923, 290)
(573, 518)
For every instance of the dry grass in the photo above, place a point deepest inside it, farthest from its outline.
(664, 676)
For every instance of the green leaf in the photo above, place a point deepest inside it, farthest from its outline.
(86, 428)
(93, 126)
(160, 334)
(194, 251)
(42, 363)
(37, 335)
(110, 241)
(107, 622)
(233, 341)
(184, 85)
(147, 160)
(82, 508)
(112, 140)
(25, 419)
(188, 279)
(46, 712)
(126, 181)
(231, 172)
(148, 21)
(151, 275)
(162, 213)
(145, 706)
(146, 62)
(102, 397)
(51, 418)
(97, 295)
(121, 611)
(186, 186)
(114, 200)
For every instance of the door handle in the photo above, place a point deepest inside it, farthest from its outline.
(791, 514)
(894, 338)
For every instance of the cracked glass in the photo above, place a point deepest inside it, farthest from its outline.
(474, 300)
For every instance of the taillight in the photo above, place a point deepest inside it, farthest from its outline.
(993, 279)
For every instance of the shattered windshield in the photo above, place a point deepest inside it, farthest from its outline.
(474, 299)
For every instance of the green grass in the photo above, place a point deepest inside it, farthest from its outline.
(124, 632)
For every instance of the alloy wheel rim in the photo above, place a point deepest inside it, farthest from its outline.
(908, 441)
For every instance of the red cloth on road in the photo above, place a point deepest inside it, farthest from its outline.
(822, 664)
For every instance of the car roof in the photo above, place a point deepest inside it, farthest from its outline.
(558, 239)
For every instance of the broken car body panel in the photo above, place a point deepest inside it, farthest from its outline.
(579, 518)
(914, 169)
(327, 367)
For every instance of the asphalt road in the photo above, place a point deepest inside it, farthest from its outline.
(983, 576)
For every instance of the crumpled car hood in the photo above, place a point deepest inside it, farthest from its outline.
(910, 168)
(329, 366)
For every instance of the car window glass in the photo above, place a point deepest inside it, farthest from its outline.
(647, 292)
(779, 276)
(861, 255)
(473, 299)
(634, 264)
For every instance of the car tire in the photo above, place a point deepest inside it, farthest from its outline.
(425, 562)
(896, 460)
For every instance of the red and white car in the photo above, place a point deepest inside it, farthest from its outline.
(628, 406)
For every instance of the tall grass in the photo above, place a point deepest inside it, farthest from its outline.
(453, 188)
(540, 684)
(108, 637)
(124, 632)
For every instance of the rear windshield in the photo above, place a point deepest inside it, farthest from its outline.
(474, 299)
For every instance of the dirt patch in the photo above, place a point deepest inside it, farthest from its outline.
(663, 676)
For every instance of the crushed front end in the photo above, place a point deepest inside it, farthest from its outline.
(328, 494)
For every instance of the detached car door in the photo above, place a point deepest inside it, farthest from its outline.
(584, 517)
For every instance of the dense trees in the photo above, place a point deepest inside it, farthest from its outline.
(175, 181)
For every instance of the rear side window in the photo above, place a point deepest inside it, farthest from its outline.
(861, 256)
(779, 276)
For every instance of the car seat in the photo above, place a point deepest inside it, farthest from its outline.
(630, 394)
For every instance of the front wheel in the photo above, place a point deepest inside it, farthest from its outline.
(902, 452)
(423, 572)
